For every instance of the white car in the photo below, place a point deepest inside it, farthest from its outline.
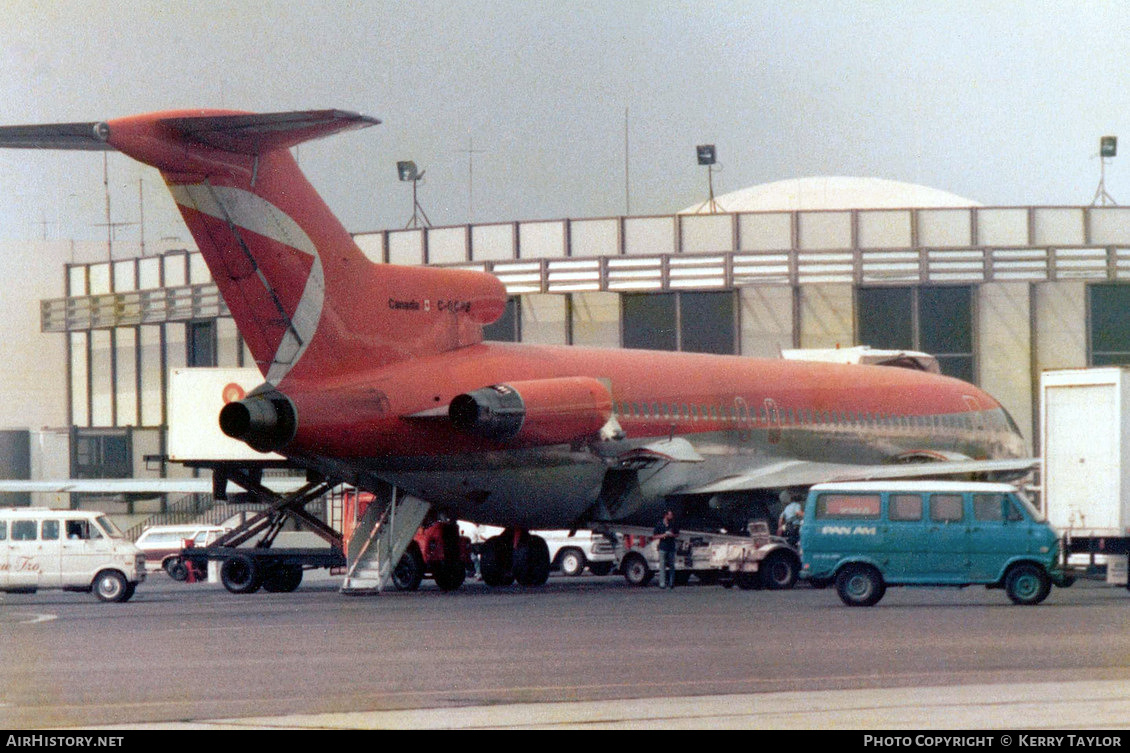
(162, 545)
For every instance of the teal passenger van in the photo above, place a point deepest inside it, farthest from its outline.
(865, 536)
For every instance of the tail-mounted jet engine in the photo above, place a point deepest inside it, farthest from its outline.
(265, 421)
(539, 411)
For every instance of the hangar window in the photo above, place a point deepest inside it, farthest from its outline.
(691, 322)
(1109, 325)
(507, 328)
(200, 343)
(934, 319)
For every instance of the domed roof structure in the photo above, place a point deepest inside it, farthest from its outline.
(833, 193)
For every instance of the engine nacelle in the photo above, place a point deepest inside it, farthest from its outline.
(266, 421)
(539, 411)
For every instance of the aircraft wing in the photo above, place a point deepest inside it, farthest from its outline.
(134, 486)
(790, 473)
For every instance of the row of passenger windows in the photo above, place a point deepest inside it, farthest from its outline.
(47, 530)
(943, 508)
(791, 417)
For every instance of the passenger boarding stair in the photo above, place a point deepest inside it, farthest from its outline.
(380, 540)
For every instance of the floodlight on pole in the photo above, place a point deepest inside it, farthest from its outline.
(1108, 148)
(407, 172)
(708, 156)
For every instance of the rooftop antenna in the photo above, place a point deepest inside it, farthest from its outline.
(471, 152)
(406, 170)
(709, 157)
(1108, 148)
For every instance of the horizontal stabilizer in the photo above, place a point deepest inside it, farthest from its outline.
(81, 136)
(258, 133)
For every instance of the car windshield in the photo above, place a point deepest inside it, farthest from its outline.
(108, 526)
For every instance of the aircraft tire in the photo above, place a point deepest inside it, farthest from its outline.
(531, 561)
(494, 561)
(449, 576)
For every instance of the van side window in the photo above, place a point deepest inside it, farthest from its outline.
(946, 508)
(23, 530)
(988, 507)
(863, 506)
(905, 507)
(50, 530)
(78, 529)
(3, 530)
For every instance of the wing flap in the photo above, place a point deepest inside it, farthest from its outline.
(792, 473)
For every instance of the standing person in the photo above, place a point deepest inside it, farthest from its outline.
(788, 525)
(667, 532)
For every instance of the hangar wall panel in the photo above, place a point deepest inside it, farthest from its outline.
(544, 319)
(149, 273)
(447, 245)
(372, 245)
(541, 240)
(879, 229)
(176, 270)
(589, 238)
(406, 247)
(649, 236)
(766, 320)
(1110, 226)
(80, 395)
(99, 279)
(152, 396)
(707, 233)
(101, 387)
(771, 231)
(827, 318)
(492, 242)
(938, 228)
(1002, 227)
(1058, 227)
(596, 319)
(824, 230)
(125, 387)
(1004, 349)
(1061, 325)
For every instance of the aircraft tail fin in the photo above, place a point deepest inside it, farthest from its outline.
(305, 298)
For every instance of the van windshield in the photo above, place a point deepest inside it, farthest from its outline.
(108, 526)
(1026, 503)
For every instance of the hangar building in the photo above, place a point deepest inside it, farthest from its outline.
(998, 294)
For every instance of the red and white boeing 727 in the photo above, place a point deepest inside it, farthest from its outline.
(378, 373)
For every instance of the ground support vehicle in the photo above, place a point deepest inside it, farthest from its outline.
(72, 550)
(247, 566)
(1085, 476)
(750, 562)
(864, 536)
(571, 552)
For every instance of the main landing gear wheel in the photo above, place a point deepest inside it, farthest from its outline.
(531, 561)
(450, 575)
(495, 561)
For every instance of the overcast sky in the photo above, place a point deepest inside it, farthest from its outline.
(1000, 102)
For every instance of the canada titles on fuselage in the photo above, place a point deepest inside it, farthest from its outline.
(441, 305)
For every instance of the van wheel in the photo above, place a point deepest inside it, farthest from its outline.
(1027, 585)
(240, 575)
(110, 585)
(636, 571)
(860, 586)
(572, 562)
(779, 571)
